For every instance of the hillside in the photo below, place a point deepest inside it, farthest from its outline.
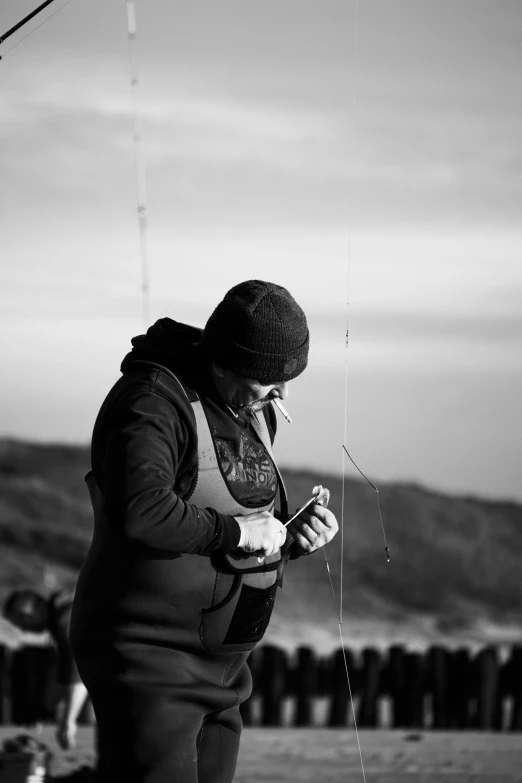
(454, 575)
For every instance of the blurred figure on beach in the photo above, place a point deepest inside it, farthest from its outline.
(32, 613)
(188, 548)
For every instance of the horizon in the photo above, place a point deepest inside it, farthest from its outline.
(303, 470)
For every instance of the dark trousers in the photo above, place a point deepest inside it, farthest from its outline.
(147, 736)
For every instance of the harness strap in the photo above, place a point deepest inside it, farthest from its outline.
(262, 433)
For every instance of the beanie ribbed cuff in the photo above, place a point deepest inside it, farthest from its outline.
(265, 368)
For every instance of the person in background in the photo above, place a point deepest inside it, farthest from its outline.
(32, 613)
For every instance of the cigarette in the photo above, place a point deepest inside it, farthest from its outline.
(280, 406)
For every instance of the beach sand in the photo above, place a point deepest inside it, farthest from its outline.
(331, 756)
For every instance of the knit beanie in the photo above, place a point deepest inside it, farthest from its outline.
(258, 331)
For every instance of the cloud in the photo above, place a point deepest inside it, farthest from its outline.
(279, 139)
(85, 132)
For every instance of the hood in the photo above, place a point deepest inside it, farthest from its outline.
(167, 343)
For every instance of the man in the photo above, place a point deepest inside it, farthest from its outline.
(188, 551)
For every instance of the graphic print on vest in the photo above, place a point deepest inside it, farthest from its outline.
(248, 470)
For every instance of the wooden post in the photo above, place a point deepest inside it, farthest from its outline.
(273, 685)
(515, 687)
(438, 679)
(339, 692)
(304, 686)
(370, 683)
(414, 691)
(488, 694)
(6, 660)
(324, 676)
(394, 683)
(461, 687)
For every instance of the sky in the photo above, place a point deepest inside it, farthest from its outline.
(365, 155)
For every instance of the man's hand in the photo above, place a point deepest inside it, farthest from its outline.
(314, 527)
(66, 734)
(74, 697)
(261, 534)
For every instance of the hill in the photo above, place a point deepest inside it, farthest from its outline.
(454, 574)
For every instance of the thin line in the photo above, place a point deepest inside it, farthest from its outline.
(372, 485)
(339, 604)
(347, 331)
(351, 702)
(34, 29)
(360, 471)
(343, 466)
(347, 334)
(339, 620)
(14, 29)
(386, 549)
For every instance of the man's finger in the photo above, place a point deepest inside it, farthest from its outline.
(305, 531)
(320, 514)
(314, 522)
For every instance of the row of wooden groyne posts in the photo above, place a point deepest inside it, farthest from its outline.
(397, 688)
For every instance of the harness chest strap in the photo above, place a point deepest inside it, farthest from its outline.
(209, 473)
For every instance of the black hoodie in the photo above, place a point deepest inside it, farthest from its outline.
(145, 450)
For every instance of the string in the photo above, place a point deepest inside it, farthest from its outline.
(347, 338)
(347, 330)
(372, 485)
(34, 29)
(139, 161)
(339, 604)
(343, 648)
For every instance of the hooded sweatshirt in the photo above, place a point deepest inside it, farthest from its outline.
(145, 448)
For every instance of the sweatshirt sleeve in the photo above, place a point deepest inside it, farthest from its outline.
(145, 444)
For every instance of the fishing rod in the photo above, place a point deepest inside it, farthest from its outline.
(26, 19)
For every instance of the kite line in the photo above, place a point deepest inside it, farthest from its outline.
(27, 19)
